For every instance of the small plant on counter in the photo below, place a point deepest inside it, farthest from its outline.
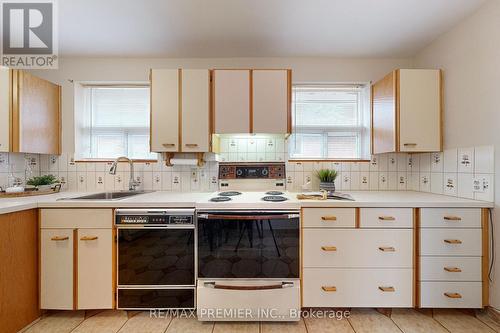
(327, 179)
(42, 181)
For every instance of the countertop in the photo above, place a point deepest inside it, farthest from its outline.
(200, 200)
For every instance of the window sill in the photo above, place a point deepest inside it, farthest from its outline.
(104, 160)
(327, 160)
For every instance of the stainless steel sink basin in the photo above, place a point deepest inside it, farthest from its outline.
(109, 195)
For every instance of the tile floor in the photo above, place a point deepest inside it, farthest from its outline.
(360, 321)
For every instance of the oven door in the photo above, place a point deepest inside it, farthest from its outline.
(248, 244)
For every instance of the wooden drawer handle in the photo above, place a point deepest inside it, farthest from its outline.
(329, 288)
(453, 295)
(453, 241)
(452, 269)
(387, 289)
(386, 218)
(167, 145)
(329, 218)
(452, 218)
(191, 145)
(60, 238)
(387, 249)
(409, 144)
(88, 238)
(329, 248)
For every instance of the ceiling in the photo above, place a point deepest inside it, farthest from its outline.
(254, 28)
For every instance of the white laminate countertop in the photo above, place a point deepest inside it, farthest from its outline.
(200, 200)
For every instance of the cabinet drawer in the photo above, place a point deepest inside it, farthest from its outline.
(450, 242)
(450, 269)
(344, 287)
(386, 218)
(357, 248)
(450, 218)
(460, 294)
(76, 218)
(329, 217)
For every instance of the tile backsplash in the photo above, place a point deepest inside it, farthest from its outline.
(463, 172)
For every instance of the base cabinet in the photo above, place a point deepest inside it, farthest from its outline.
(76, 259)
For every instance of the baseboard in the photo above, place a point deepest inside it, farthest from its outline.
(493, 313)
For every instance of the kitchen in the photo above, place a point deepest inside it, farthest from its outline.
(250, 179)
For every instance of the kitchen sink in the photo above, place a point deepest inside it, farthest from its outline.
(109, 195)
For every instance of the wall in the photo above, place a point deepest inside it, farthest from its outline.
(130, 69)
(469, 54)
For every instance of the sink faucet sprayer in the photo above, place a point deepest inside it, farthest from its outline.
(132, 183)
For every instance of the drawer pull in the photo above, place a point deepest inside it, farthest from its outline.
(409, 144)
(452, 269)
(329, 288)
(452, 218)
(387, 289)
(386, 218)
(168, 145)
(387, 249)
(453, 241)
(329, 218)
(191, 145)
(329, 248)
(453, 295)
(88, 238)
(60, 238)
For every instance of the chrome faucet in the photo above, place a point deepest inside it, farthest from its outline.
(132, 183)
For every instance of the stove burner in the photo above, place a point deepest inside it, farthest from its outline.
(229, 193)
(274, 193)
(220, 199)
(274, 198)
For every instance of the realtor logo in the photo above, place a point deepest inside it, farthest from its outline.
(29, 34)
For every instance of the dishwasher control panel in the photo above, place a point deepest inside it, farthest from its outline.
(154, 216)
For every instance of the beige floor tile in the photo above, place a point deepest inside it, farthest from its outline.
(488, 320)
(59, 322)
(371, 321)
(189, 325)
(104, 322)
(236, 327)
(280, 327)
(458, 322)
(328, 325)
(411, 321)
(144, 323)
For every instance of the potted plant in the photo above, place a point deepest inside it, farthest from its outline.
(327, 179)
(43, 182)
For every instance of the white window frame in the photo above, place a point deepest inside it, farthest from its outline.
(361, 131)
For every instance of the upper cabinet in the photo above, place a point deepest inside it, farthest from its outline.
(30, 113)
(407, 111)
(180, 113)
(252, 101)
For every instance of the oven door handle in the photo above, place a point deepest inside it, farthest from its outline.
(247, 217)
(282, 285)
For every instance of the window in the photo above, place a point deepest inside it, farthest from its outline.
(112, 121)
(330, 122)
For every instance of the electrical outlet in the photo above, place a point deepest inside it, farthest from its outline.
(480, 184)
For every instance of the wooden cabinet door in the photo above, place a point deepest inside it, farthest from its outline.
(419, 110)
(231, 101)
(5, 92)
(195, 110)
(164, 110)
(95, 268)
(19, 304)
(271, 101)
(56, 269)
(384, 115)
(36, 115)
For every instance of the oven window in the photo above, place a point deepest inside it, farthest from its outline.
(155, 257)
(248, 248)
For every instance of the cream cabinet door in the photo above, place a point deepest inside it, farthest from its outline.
(195, 110)
(56, 269)
(231, 101)
(164, 110)
(270, 101)
(419, 110)
(4, 109)
(95, 268)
